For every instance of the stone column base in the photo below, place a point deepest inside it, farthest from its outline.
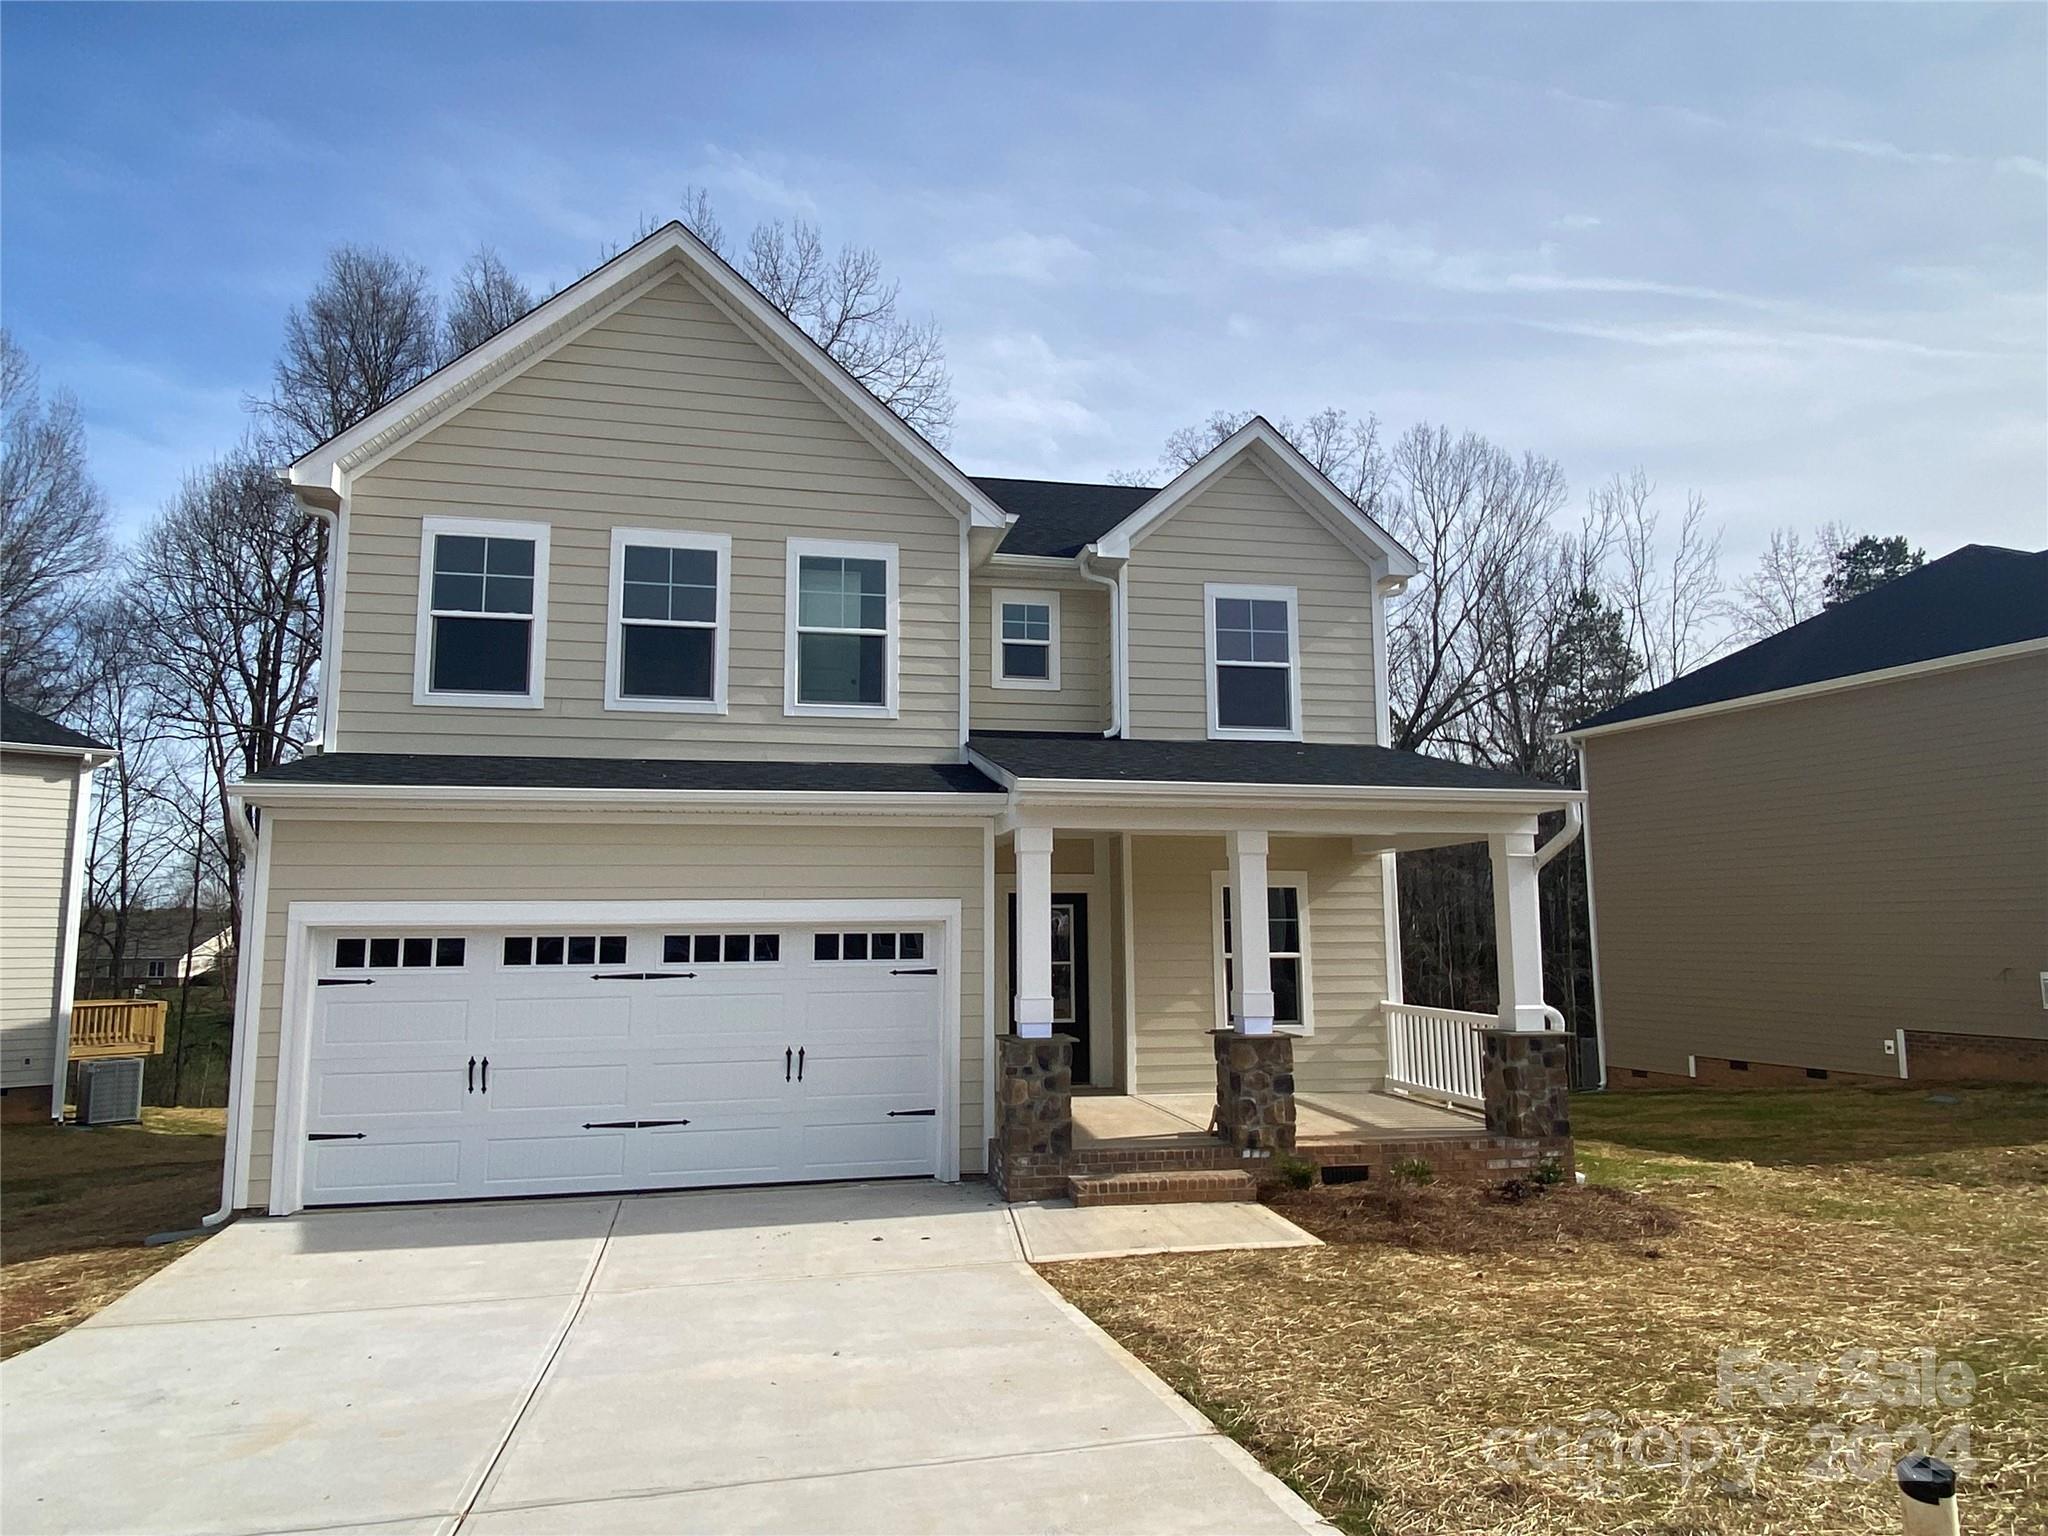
(1524, 1079)
(1034, 1131)
(1255, 1091)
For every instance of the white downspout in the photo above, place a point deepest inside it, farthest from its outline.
(239, 1041)
(330, 623)
(1574, 823)
(1116, 639)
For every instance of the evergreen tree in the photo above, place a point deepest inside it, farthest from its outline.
(1868, 564)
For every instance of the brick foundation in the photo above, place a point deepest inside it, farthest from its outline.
(1255, 1091)
(1160, 1188)
(1475, 1158)
(1524, 1079)
(1034, 1131)
(1931, 1057)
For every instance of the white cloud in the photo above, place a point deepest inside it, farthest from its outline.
(1043, 260)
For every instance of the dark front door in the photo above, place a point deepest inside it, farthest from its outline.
(1069, 972)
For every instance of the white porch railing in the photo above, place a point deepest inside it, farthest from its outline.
(1433, 1053)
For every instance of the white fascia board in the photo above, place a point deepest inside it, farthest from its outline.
(1367, 538)
(89, 757)
(967, 805)
(325, 468)
(1815, 690)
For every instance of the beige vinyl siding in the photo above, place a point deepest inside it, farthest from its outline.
(1081, 702)
(35, 858)
(620, 859)
(1245, 529)
(1794, 882)
(665, 415)
(1173, 891)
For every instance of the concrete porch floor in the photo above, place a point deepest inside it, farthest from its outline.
(1101, 1117)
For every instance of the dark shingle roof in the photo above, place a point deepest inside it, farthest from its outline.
(421, 769)
(26, 728)
(1039, 755)
(1979, 597)
(1058, 517)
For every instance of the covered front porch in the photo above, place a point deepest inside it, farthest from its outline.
(1108, 1119)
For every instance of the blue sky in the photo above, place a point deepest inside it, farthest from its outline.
(1795, 258)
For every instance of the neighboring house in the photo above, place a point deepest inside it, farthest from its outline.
(1827, 855)
(45, 784)
(161, 948)
(689, 724)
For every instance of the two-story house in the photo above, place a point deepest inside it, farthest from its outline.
(713, 776)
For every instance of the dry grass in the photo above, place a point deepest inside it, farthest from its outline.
(1370, 1371)
(75, 1206)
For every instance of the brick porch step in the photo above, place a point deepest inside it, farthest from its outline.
(1183, 1186)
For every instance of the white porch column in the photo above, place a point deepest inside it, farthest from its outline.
(1251, 976)
(1032, 1007)
(1517, 930)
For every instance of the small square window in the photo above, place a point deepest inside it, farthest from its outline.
(547, 951)
(583, 950)
(419, 952)
(910, 946)
(675, 949)
(519, 951)
(611, 949)
(384, 952)
(449, 951)
(707, 949)
(767, 947)
(825, 946)
(854, 946)
(882, 946)
(348, 954)
(738, 946)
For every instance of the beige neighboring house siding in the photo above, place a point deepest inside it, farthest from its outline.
(1794, 882)
(624, 859)
(35, 857)
(1174, 956)
(1081, 702)
(1245, 529)
(666, 415)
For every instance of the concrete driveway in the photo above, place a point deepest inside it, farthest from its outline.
(867, 1358)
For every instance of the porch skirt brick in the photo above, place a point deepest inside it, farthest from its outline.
(1255, 1091)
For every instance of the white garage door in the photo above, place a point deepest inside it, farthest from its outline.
(551, 1059)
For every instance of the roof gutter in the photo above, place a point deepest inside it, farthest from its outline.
(967, 803)
(1574, 824)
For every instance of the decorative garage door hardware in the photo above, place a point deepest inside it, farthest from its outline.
(930, 970)
(337, 1135)
(348, 981)
(799, 1064)
(629, 1125)
(911, 1114)
(645, 976)
(472, 1074)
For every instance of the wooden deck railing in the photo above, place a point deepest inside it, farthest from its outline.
(1433, 1053)
(117, 1026)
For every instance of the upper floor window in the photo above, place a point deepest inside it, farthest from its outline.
(483, 612)
(667, 633)
(1025, 639)
(1254, 678)
(842, 629)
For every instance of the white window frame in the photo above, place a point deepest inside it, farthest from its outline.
(843, 549)
(615, 618)
(1291, 596)
(1219, 881)
(1048, 600)
(432, 528)
(156, 970)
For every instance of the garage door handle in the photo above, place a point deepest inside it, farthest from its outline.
(788, 1059)
(347, 981)
(610, 1125)
(336, 1136)
(911, 1114)
(931, 970)
(799, 1063)
(645, 976)
(472, 1074)
(487, 1074)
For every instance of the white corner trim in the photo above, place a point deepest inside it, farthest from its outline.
(1814, 690)
(1592, 914)
(1219, 879)
(1359, 533)
(843, 549)
(615, 697)
(1211, 591)
(248, 1021)
(965, 613)
(537, 642)
(1127, 937)
(1047, 598)
(67, 946)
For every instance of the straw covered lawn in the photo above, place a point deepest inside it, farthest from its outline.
(1453, 1361)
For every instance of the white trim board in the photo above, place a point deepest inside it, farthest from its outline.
(305, 919)
(1814, 690)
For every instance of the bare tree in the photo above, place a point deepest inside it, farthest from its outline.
(842, 301)
(485, 298)
(364, 336)
(1671, 597)
(1788, 584)
(53, 537)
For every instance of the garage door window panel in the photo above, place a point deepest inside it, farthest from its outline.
(524, 949)
(398, 953)
(483, 613)
(669, 621)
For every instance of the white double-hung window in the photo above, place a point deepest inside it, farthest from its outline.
(843, 629)
(1287, 948)
(669, 622)
(1252, 662)
(482, 634)
(1024, 639)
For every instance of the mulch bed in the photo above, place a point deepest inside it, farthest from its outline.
(1515, 1217)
